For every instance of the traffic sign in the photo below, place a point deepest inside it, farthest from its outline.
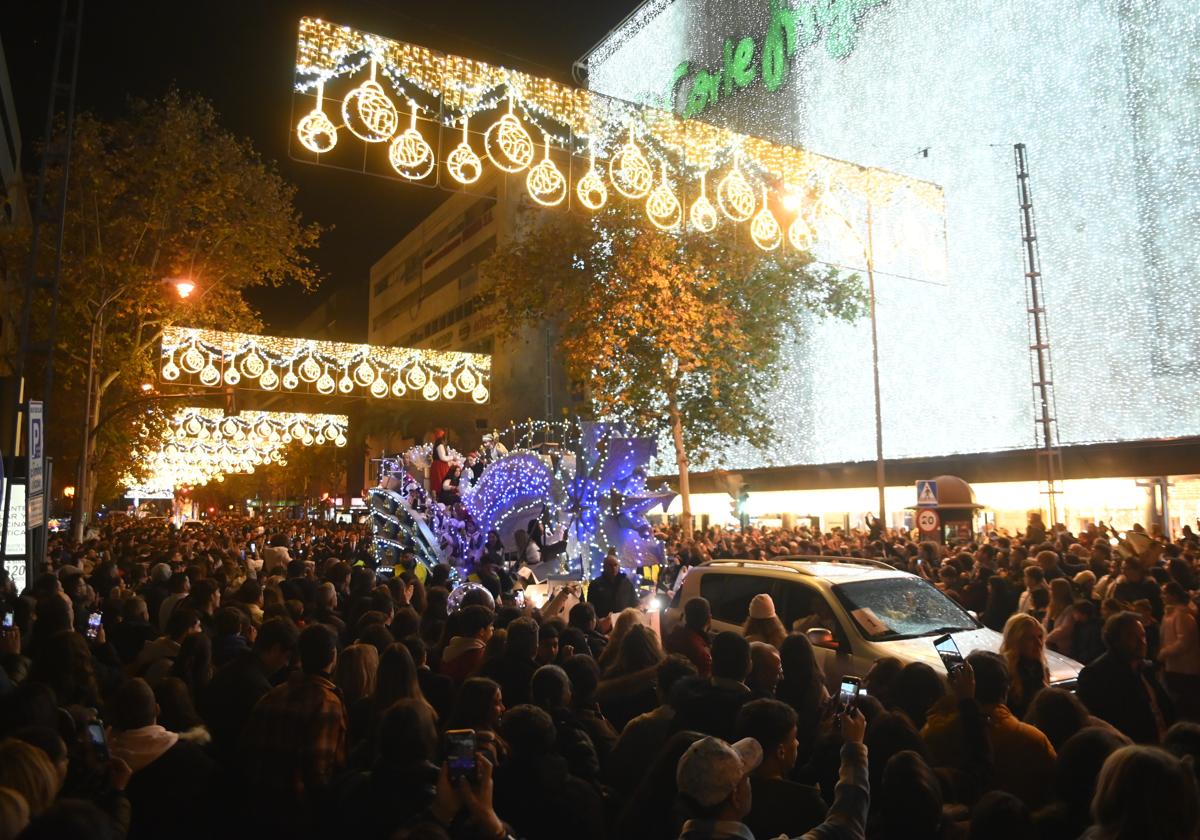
(928, 521)
(37, 453)
(927, 495)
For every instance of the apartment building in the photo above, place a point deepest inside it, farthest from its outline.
(426, 292)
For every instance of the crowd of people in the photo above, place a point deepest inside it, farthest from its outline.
(261, 678)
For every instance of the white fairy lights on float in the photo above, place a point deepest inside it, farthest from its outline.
(629, 136)
(209, 357)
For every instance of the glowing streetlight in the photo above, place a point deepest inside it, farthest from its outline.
(147, 387)
(69, 491)
(184, 288)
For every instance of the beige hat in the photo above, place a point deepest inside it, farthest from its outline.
(711, 769)
(761, 606)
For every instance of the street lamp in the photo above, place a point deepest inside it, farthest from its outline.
(184, 287)
(69, 491)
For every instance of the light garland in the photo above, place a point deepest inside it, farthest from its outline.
(316, 131)
(262, 428)
(201, 356)
(570, 117)
(764, 229)
(462, 163)
(547, 186)
(799, 234)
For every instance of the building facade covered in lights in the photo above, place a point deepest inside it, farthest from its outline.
(1103, 95)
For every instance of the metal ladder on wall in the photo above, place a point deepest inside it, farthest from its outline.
(1045, 415)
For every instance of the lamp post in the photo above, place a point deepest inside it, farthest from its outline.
(83, 493)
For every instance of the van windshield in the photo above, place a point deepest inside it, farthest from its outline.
(901, 608)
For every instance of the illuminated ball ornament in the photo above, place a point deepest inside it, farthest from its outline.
(508, 144)
(379, 388)
(345, 384)
(662, 207)
(210, 375)
(368, 112)
(309, 369)
(316, 132)
(734, 194)
(364, 374)
(416, 377)
(398, 387)
(410, 155)
(590, 191)
(466, 380)
(702, 213)
(480, 393)
(325, 383)
(800, 234)
(170, 371)
(269, 380)
(430, 391)
(232, 377)
(546, 184)
(253, 365)
(192, 360)
(629, 170)
(765, 230)
(290, 380)
(463, 164)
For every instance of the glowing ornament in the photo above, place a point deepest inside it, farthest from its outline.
(734, 194)
(799, 234)
(309, 369)
(508, 144)
(170, 371)
(430, 391)
(193, 426)
(210, 375)
(290, 380)
(229, 427)
(409, 154)
(449, 391)
(463, 164)
(662, 207)
(547, 186)
(480, 393)
(590, 190)
(345, 384)
(702, 213)
(364, 374)
(232, 377)
(629, 170)
(192, 360)
(253, 365)
(316, 131)
(269, 380)
(398, 389)
(370, 107)
(340, 440)
(765, 230)
(416, 377)
(325, 383)
(379, 388)
(466, 380)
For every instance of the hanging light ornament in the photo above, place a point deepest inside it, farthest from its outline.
(662, 207)
(269, 379)
(316, 131)
(253, 365)
(800, 233)
(463, 164)
(590, 190)
(170, 371)
(547, 186)
(210, 375)
(368, 105)
(629, 170)
(309, 369)
(409, 154)
(326, 384)
(290, 381)
(765, 230)
(192, 360)
(364, 374)
(508, 144)
(398, 387)
(480, 393)
(702, 212)
(734, 195)
(379, 388)
(466, 380)
(430, 391)
(345, 384)
(232, 377)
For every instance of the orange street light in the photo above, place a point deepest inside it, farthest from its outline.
(184, 287)
(69, 491)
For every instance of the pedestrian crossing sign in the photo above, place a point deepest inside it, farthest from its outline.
(927, 495)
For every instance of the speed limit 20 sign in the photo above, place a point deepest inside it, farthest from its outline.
(928, 520)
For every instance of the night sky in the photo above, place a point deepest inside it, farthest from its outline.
(240, 54)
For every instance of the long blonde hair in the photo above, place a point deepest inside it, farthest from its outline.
(357, 670)
(627, 619)
(1015, 629)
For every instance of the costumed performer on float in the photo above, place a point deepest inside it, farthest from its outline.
(439, 466)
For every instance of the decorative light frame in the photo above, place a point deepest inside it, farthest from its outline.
(213, 358)
(633, 138)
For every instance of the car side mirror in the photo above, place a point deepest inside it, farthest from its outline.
(822, 637)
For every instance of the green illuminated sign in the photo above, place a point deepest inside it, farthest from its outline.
(746, 61)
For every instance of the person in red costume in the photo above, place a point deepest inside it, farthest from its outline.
(440, 465)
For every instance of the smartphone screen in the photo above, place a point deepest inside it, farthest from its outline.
(848, 692)
(93, 627)
(252, 548)
(95, 733)
(460, 753)
(952, 658)
(8, 620)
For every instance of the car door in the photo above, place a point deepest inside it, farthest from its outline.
(803, 607)
(729, 597)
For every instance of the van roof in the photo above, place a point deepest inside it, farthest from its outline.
(838, 570)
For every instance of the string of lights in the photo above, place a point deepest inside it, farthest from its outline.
(213, 358)
(449, 90)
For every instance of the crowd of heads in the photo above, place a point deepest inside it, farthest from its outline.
(262, 678)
